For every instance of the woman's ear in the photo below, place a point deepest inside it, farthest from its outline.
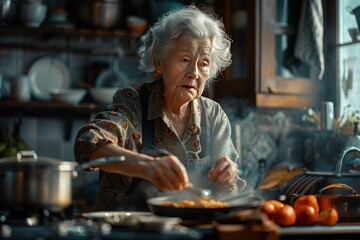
(158, 67)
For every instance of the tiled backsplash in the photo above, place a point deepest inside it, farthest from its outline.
(281, 137)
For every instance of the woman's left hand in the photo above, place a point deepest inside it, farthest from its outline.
(225, 173)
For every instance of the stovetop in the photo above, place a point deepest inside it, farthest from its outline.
(81, 232)
(49, 226)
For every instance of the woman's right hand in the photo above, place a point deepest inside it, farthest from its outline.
(167, 173)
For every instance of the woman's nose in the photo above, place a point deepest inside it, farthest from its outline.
(193, 71)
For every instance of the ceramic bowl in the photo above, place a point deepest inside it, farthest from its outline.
(70, 96)
(33, 14)
(136, 24)
(103, 95)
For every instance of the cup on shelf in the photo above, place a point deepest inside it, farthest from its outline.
(21, 88)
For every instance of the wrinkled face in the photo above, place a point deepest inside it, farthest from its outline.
(185, 68)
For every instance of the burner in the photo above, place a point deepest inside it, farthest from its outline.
(20, 218)
(32, 218)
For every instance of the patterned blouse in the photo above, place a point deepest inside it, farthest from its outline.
(206, 139)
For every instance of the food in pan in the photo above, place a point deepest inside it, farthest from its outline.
(197, 203)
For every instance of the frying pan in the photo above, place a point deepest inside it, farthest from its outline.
(240, 203)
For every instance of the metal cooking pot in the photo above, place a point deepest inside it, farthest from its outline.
(31, 183)
(103, 14)
(347, 206)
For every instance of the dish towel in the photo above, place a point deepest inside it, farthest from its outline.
(309, 41)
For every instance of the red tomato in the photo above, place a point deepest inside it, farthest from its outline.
(328, 217)
(277, 203)
(285, 216)
(270, 207)
(305, 215)
(309, 200)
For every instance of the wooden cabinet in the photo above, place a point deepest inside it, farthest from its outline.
(261, 32)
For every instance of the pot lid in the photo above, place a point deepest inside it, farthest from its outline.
(29, 159)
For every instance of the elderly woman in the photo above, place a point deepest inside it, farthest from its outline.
(170, 135)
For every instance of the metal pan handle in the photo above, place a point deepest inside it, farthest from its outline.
(92, 164)
(338, 185)
(26, 156)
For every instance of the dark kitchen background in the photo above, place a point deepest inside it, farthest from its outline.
(273, 99)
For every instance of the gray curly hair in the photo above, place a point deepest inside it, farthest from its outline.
(172, 25)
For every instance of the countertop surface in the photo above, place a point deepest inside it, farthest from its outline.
(340, 228)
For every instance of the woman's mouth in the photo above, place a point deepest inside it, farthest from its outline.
(188, 86)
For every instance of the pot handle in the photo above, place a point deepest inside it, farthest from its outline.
(338, 185)
(26, 156)
(100, 161)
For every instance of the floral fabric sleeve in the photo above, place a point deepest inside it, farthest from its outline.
(119, 125)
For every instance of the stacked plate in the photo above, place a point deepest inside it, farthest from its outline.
(47, 74)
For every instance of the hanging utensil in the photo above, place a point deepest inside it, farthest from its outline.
(112, 77)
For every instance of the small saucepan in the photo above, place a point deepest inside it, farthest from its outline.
(347, 206)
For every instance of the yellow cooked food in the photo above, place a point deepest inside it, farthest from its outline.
(197, 203)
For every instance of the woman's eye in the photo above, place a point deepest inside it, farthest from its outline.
(185, 60)
(204, 64)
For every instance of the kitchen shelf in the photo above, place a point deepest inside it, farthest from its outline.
(73, 49)
(39, 109)
(65, 112)
(63, 32)
(76, 40)
(348, 43)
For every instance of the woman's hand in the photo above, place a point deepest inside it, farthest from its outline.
(167, 173)
(225, 174)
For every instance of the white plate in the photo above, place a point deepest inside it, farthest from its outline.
(47, 74)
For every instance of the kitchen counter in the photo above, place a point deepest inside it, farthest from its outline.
(340, 231)
(348, 231)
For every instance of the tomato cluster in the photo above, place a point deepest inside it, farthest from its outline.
(304, 211)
